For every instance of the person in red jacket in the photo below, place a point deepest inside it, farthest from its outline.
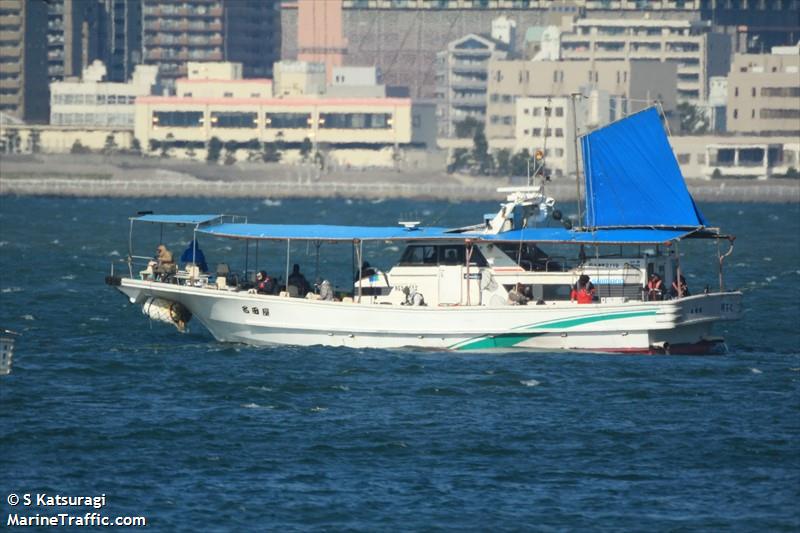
(583, 291)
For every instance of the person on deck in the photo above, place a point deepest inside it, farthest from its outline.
(165, 263)
(655, 287)
(366, 271)
(297, 279)
(583, 291)
(516, 296)
(264, 283)
(679, 288)
(193, 254)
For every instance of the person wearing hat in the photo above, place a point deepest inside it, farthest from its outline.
(165, 263)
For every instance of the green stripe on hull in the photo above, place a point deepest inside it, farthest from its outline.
(507, 340)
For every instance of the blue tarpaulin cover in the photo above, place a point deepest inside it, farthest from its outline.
(177, 219)
(633, 179)
(365, 233)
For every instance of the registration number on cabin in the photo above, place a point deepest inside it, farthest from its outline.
(255, 310)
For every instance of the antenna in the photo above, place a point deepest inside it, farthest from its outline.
(575, 96)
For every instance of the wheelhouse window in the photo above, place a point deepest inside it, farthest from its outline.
(234, 120)
(178, 119)
(448, 254)
(288, 121)
(355, 121)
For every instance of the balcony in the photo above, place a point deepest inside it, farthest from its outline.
(465, 83)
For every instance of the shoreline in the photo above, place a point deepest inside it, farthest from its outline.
(77, 188)
(132, 177)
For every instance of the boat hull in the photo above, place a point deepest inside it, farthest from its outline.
(674, 326)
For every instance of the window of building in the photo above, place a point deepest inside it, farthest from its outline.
(178, 119)
(355, 121)
(228, 95)
(559, 111)
(785, 92)
(288, 121)
(735, 113)
(494, 119)
(508, 120)
(559, 132)
(752, 113)
(537, 132)
(233, 120)
(526, 111)
(101, 99)
(683, 159)
(537, 111)
(559, 152)
(187, 95)
(753, 92)
(780, 113)
(494, 97)
(526, 132)
(736, 91)
(507, 98)
(255, 95)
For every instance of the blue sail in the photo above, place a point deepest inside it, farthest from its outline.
(633, 179)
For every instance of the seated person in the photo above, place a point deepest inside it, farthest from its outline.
(655, 287)
(679, 288)
(366, 271)
(326, 290)
(297, 279)
(193, 254)
(165, 264)
(264, 283)
(516, 296)
(583, 291)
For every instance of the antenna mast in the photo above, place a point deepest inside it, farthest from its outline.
(577, 167)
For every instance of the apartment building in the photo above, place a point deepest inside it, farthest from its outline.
(241, 110)
(92, 102)
(698, 53)
(462, 79)
(23, 59)
(178, 31)
(639, 82)
(764, 93)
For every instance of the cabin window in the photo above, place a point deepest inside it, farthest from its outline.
(419, 255)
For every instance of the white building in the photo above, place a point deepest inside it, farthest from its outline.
(92, 102)
(547, 123)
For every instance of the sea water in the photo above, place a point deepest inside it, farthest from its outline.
(198, 435)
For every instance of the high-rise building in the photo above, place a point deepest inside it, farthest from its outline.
(178, 31)
(23, 59)
(462, 72)
(319, 33)
(119, 37)
(758, 25)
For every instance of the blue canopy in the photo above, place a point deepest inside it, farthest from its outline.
(319, 232)
(602, 236)
(365, 233)
(177, 219)
(633, 179)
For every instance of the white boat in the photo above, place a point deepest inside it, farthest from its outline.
(459, 288)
